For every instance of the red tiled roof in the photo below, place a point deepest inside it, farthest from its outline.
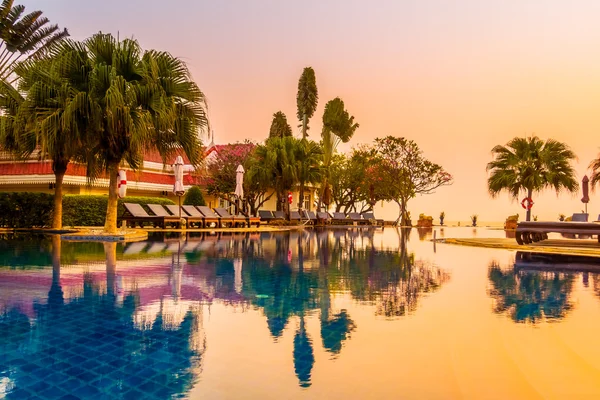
(220, 147)
(45, 168)
(154, 156)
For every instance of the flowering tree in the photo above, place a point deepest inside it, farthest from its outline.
(404, 172)
(222, 175)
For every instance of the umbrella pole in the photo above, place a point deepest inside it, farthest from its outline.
(179, 206)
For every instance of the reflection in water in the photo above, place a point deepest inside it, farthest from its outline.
(89, 346)
(129, 318)
(529, 295)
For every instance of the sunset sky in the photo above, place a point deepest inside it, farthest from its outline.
(456, 77)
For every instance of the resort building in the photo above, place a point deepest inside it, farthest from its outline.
(154, 179)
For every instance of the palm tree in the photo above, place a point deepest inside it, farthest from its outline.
(309, 156)
(307, 98)
(531, 165)
(278, 159)
(338, 126)
(279, 126)
(595, 167)
(143, 101)
(23, 37)
(54, 116)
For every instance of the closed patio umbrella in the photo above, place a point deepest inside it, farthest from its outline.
(239, 184)
(585, 188)
(178, 188)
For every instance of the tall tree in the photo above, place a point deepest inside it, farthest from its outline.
(278, 160)
(354, 186)
(55, 116)
(23, 37)
(307, 98)
(338, 126)
(279, 126)
(142, 101)
(308, 166)
(405, 172)
(531, 165)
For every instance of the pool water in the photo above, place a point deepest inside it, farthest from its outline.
(338, 313)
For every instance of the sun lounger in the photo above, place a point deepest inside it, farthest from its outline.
(135, 213)
(210, 214)
(237, 219)
(323, 217)
(357, 218)
(579, 217)
(530, 231)
(339, 219)
(279, 215)
(195, 213)
(191, 220)
(266, 216)
(310, 216)
(370, 216)
(295, 216)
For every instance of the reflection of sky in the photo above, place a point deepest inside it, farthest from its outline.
(452, 337)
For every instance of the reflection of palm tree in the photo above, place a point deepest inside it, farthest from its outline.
(392, 280)
(530, 296)
(335, 330)
(304, 358)
(91, 347)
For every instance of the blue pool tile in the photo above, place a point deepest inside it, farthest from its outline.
(53, 392)
(72, 384)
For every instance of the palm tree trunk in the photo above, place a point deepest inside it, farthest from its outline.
(304, 124)
(59, 175)
(301, 197)
(528, 215)
(110, 225)
(110, 250)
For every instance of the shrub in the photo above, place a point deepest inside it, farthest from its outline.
(81, 210)
(425, 221)
(194, 197)
(26, 210)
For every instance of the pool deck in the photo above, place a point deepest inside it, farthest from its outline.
(582, 247)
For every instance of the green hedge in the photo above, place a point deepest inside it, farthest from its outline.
(34, 210)
(26, 210)
(81, 210)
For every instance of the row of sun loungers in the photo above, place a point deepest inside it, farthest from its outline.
(336, 218)
(195, 216)
(205, 217)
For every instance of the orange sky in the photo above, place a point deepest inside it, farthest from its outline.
(457, 77)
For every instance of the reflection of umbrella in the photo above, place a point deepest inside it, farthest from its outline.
(176, 271)
(178, 188)
(237, 268)
(585, 183)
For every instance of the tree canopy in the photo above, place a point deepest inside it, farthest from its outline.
(279, 126)
(531, 165)
(405, 172)
(307, 98)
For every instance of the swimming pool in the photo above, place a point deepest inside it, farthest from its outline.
(337, 313)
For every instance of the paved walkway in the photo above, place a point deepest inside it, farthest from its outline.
(585, 247)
